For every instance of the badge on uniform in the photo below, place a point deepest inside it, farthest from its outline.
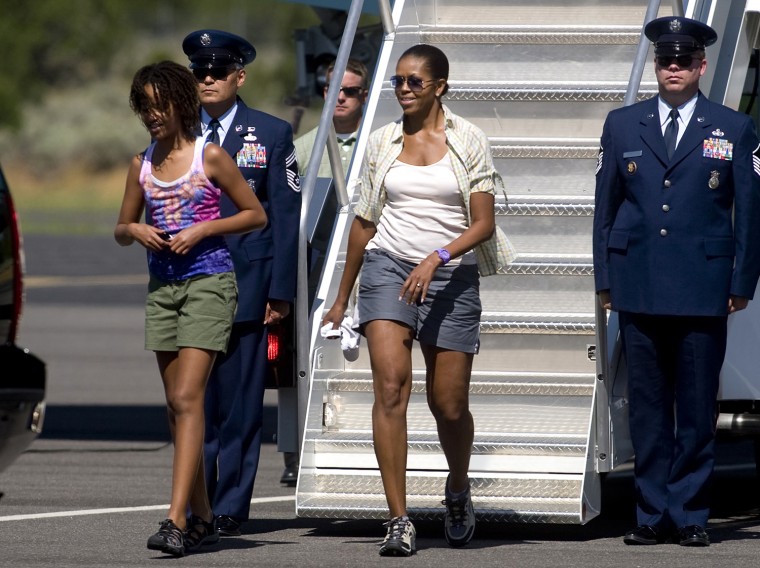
(252, 154)
(714, 179)
(756, 160)
(718, 148)
(631, 165)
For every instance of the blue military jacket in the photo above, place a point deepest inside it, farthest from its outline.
(265, 261)
(676, 237)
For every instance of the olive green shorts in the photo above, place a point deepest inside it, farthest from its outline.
(197, 312)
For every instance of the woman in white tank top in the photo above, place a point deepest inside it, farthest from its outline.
(426, 201)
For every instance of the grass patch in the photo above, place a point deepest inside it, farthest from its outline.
(73, 203)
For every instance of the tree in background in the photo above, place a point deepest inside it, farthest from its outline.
(67, 65)
(53, 44)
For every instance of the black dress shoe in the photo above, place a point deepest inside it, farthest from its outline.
(643, 534)
(289, 476)
(693, 535)
(226, 525)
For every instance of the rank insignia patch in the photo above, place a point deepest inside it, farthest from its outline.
(599, 160)
(291, 168)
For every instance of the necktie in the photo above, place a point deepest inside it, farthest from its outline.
(213, 132)
(671, 133)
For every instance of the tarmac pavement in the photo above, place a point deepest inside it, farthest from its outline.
(95, 485)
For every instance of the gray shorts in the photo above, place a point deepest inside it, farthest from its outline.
(450, 316)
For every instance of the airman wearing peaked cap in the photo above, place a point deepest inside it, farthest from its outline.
(674, 35)
(265, 269)
(214, 48)
(676, 250)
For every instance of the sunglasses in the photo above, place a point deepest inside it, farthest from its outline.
(350, 92)
(216, 73)
(415, 84)
(680, 60)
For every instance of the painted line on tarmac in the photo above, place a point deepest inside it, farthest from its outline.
(105, 280)
(124, 510)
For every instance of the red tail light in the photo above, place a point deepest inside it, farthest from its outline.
(274, 342)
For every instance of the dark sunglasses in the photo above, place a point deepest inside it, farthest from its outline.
(216, 73)
(680, 60)
(415, 84)
(350, 92)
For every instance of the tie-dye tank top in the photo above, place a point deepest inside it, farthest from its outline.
(176, 205)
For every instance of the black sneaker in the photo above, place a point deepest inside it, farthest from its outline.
(168, 539)
(459, 519)
(199, 533)
(401, 537)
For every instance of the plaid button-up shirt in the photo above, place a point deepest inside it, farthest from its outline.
(473, 167)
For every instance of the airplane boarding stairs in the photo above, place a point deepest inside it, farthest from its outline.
(538, 77)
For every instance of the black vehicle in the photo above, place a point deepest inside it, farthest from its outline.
(22, 375)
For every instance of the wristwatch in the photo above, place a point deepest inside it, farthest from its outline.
(444, 255)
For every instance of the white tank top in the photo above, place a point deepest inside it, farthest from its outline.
(424, 211)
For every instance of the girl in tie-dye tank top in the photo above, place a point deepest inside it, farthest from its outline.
(192, 296)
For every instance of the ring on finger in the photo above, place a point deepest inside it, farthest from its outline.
(418, 285)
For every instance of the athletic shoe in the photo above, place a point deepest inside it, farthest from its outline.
(459, 520)
(199, 533)
(401, 537)
(168, 539)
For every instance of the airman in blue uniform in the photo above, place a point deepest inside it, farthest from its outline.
(265, 266)
(676, 249)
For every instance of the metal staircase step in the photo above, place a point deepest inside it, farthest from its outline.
(536, 263)
(535, 352)
(483, 383)
(538, 323)
(537, 148)
(551, 205)
(545, 234)
(569, 294)
(506, 498)
(544, 92)
(524, 34)
(487, 444)
(538, 91)
(538, 12)
(568, 264)
(519, 415)
(544, 175)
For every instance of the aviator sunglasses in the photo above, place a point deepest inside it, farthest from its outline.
(415, 84)
(216, 73)
(350, 92)
(680, 60)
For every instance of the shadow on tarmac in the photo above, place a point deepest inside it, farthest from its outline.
(122, 423)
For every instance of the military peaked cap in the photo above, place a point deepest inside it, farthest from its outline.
(215, 48)
(673, 35)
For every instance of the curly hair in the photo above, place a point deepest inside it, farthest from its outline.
(173, 86)
(435, 61)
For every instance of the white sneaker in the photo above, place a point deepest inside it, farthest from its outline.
(459, 520)
(401, 537)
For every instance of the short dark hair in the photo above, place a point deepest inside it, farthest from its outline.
(356, 67)
(435, 61)
(173, 85)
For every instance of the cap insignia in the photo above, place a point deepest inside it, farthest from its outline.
(675, 26)
(205, 40)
